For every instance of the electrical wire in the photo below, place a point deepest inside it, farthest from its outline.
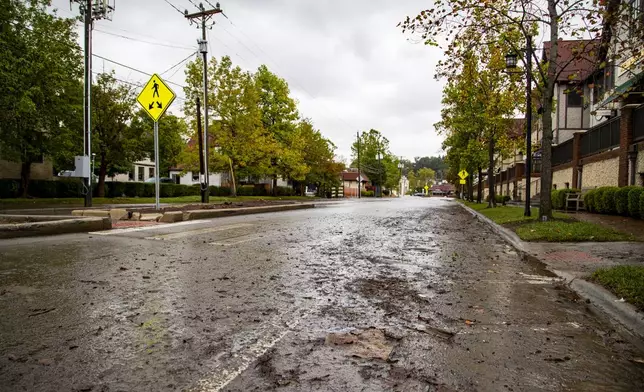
(173, 6)
(144, 41)
(178, 64)
(134, 69)
(295, 81)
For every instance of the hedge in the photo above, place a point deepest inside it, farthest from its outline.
(607, 203)
(559, 197)
(72, 188)
(589, 201)
(621, 199)
(634, 208)
(367, 193)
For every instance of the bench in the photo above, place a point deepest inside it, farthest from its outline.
(576, 199)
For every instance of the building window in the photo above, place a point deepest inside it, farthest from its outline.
(574, 99)
(567, 185)
(141, 174)
(554, 186)
(130, 174)
(150, 172)
(195, 176)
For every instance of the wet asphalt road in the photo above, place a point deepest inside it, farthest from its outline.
(398, 295)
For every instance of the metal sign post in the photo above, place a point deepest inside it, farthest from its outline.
(155, 98)
(157, 177)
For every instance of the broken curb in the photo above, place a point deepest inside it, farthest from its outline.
(30, 226)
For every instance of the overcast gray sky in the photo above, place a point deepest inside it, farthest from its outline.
(346, 62)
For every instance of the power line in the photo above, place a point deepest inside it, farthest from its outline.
(144, 41)
(178, 64)
(173, 6)
(295, 81)
(134, 69)
(135, 84)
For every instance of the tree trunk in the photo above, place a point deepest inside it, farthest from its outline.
(102, 173)
(490, 173)
(470, 188)
(25, 176)
(545, 203)
(274, 190)
(480, 186)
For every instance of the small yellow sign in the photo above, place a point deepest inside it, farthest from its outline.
(156, 97)
(462, 182)
(426, 188)
(463, 174)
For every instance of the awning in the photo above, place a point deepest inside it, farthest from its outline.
(621, 89)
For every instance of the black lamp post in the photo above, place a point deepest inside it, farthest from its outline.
(511, 63)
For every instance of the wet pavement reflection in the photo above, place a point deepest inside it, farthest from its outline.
(391, 295)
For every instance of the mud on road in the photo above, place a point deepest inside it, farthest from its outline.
(402, 295)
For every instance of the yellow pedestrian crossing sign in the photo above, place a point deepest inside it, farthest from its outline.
(462, 182)
(463, 174)
(156, 97)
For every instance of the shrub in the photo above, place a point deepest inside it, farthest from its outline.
(621, 199)
(559, 197)
(167, 190)
(634, 209)
(597, 200)
(9, 188)
(608, 200)
(148, 189)
(134, 189)
(589, 201)
(367, 193)
(285, 191)
(115, 189)
(386, 192)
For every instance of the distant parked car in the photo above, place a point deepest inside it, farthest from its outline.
(163, 180)
(309, 193)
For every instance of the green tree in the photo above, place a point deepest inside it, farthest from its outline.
(443, 25)
(376, 161)
(279, 114)
(40, 70)
(426, 176)
(172, 135)
(240, 140)
(116, 144)
(324, 171)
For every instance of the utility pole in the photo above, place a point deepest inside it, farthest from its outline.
(203, 16)
(528, 122)
(204, 195)
(359, 174)
(100, 10)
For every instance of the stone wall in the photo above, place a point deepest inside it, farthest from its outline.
(601, 173)
(39, 171)
(561, 177)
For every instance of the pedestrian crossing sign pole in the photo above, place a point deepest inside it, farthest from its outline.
(155, 98)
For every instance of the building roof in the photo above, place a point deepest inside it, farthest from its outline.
(576, 59)
(353, 176)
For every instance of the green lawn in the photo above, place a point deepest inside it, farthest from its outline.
(36, 203)
(566, 231)
(563, 228)
(625, 281)
(509, 214)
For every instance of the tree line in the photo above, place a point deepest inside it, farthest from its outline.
(480, 99)
(256, 128)
(256, 131)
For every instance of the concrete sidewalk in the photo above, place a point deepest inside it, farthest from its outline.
(575, 261)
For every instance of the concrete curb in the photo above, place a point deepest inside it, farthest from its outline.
(52, 225)
(224, 212)
(623, 313)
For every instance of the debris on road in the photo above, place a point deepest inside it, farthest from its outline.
(368, 344)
